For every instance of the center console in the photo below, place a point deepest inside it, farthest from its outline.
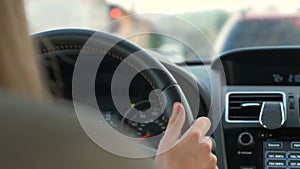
(253, 142)
(261, 121)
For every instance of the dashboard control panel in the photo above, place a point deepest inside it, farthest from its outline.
(261, 121)
(282, 154)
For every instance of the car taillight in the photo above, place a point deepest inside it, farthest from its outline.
(297, 23)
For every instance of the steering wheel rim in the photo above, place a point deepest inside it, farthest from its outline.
(72, 42)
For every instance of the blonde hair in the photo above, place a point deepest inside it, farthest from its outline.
(19, 69)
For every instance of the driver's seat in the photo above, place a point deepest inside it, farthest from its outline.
(48, 135)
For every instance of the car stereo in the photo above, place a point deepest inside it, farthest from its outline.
(281, 150)
(281, 154)
(257, 149)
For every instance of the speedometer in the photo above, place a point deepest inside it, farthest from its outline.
(146, 130)
(144, 123)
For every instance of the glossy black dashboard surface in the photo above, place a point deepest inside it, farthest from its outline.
(262, 66)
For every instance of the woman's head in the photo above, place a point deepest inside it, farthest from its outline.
(19, 69)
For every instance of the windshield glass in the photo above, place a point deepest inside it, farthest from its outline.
(184, 31)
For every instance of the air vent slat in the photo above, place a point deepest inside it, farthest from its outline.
(244, 118)
(247, 106)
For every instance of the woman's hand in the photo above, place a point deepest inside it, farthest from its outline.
(192, 150)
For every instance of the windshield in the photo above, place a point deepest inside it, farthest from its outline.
(181, 31)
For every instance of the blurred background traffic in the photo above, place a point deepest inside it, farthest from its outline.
(223, 25)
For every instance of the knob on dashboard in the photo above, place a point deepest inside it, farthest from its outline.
(245, 140)
(272, 115)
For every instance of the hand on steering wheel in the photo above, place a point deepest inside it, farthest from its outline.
(193, 150)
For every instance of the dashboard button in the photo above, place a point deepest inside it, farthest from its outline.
(294, 155)
(276, 163)
(294, 163)
(273, 145)
(291, 102)
(295, 145)
(276, 155)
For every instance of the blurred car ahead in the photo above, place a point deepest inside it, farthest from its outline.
(259, 30)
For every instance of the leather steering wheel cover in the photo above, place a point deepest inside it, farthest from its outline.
(74, 40)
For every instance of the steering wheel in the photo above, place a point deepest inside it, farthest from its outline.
(64, 52)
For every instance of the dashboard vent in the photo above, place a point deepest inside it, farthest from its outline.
(247, 106)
